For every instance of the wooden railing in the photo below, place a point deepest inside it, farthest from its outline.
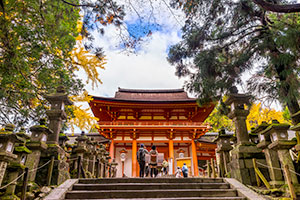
(128, 123)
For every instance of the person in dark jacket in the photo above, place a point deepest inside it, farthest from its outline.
(153, 161)
(185, 170)
(141, 154)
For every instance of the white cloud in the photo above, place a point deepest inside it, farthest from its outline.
(148, 69)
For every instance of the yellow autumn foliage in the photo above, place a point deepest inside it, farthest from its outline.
(258, 114)
(82, 118)
(90, 63)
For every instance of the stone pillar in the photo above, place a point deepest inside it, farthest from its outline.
(281, 144)
(7, 145)
(272, 160)
(133, 157)
(195, 159)
(17, 166)
(37, 144)
(223, 148)
(244, 151)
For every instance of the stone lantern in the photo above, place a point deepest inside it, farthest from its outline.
(106, 164)
(93, 154)
(7, 145)
(59, 170)
(239, 110)
(123, 154)
(102, 157)
(81, 147)
(113, 167)
(57, 113)
(244, 151)
(86, 155)
(63, 140)
(253, 136)
(16, 166)
(280, 143)
(223, 148)
(270, 154)
(37, 144)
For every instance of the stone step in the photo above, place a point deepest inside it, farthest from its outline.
(182, 198)
(150, 186)
(129, 194)
(151, 180)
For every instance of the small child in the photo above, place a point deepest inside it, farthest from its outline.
(178, 173)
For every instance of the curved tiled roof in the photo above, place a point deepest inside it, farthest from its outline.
(152, 95)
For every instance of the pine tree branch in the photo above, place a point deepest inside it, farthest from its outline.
(78, 5)
(287, 8)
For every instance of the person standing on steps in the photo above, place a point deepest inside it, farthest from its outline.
(153, 161)
(185, 170)
(165, 166)
(141, 154)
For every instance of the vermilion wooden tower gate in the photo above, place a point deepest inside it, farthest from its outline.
(167, 118)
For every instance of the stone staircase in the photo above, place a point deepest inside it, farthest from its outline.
(153, 188)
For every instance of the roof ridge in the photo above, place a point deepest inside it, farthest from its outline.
(150, 90)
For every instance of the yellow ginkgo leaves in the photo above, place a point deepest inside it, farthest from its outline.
(82, 118)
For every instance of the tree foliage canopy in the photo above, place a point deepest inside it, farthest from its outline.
(222, 39)
(38, 52)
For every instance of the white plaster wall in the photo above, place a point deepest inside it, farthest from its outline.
(177, 138)
(127, 163)
(160, 138)
(144, 138)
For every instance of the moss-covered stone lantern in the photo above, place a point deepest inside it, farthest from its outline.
(280, 143)
(17, 166)
(63, 138)
(60, 169)
(113, 168)
(106, 163)
(272, 160)
(93, 154)
(7, 146)
(245, 150)
(223, 148)
(57, 113)
(37, 144)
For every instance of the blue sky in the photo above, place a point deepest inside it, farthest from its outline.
(146, 68)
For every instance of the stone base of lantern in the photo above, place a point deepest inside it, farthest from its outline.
(60, 171)
(241, 164)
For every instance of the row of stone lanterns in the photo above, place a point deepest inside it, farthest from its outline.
(44, 153)
(268, 144)
(94, 158)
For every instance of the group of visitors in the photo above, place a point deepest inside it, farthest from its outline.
(151, 167)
